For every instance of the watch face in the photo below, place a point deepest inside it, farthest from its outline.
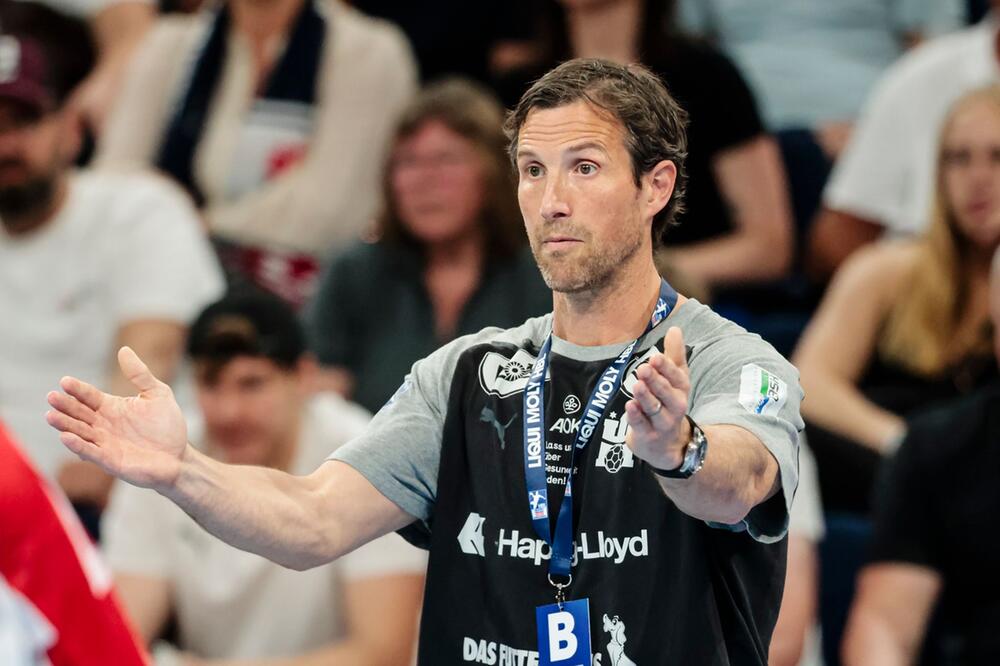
(694, 457)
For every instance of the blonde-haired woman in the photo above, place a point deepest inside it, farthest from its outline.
(906, 323)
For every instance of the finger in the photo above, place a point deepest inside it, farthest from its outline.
(86, 393)
(65, 423)
(86, 450)
(676, 376)
(638, 421)
(661, 413)
(673, 347)
(664, 390)
(77, 444)
(137, 372)
(70, 406)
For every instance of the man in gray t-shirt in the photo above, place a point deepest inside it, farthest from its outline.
(630, 457)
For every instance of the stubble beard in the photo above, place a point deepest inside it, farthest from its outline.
(593, 272)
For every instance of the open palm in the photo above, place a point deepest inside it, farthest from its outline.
(140, 439)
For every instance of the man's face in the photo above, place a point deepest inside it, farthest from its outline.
(584, 214)
(251, 409)
(34, 150)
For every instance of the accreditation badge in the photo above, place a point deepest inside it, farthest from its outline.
(564, 633)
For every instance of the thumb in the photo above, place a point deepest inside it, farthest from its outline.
(673, 347)
(136, 371)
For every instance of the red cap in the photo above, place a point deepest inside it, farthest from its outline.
(24, 74)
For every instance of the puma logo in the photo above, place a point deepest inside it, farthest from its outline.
(489, 416)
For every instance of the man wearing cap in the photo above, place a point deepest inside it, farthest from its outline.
(608, 484)
(88, 261)
(252, 377)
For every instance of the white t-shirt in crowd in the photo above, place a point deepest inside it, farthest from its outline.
(87, 8)
(123, 248)
(232, 604)
(886, 173)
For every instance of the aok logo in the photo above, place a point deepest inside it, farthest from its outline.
(565, 425)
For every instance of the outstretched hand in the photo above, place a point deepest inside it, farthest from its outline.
(658, 431)
(141, 439)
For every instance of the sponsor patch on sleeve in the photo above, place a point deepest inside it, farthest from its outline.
(760, 391)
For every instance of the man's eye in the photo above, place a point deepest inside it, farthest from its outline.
(587, 169)
(534, 171)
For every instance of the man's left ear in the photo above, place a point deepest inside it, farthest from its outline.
(659, 185)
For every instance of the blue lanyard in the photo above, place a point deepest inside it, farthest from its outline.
(561, 542)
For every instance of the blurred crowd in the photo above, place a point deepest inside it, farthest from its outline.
(282, 204)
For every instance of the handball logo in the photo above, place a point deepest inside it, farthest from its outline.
(614, 458)
(538, 501)
(571, 405)
(614, 455)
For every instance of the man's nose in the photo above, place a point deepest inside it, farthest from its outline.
(554, 201)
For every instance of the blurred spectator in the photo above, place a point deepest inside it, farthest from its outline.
(252, 377)
(118, 26)
(795, 640)
(57, 607)
(812, 63)
(89, 261)
(904, 324)
(461, 38)
(884, 180)
(278, 131)
(933, 545)
(451, 258)
(736, 227)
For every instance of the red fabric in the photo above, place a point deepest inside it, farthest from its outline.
(46, 555)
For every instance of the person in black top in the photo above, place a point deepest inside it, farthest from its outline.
(658, 438)
(736, 227)
(935, 540)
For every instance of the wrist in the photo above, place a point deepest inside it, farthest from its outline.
(692, 456)
(673, 455)
(191, 469)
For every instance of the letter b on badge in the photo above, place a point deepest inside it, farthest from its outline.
(564, 634)
(562, 642)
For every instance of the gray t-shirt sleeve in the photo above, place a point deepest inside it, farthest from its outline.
(738, 379)
(400, 452)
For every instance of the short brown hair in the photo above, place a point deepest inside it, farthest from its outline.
(473, 112)
(654, 122)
